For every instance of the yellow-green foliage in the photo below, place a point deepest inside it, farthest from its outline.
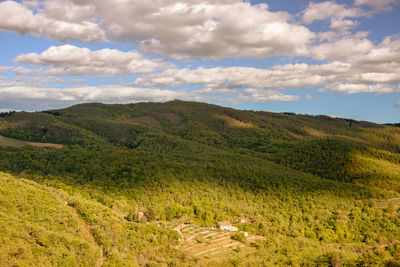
(379, 173)
(42, 226)
(38, 229)
(125, 243)
(321, 191)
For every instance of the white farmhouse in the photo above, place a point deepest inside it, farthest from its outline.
(226, 226)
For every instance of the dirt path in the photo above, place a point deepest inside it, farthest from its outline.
(205, 242)
(182, 237)
(84, 228)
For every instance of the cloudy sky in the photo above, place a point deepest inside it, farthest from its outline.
(337, 58)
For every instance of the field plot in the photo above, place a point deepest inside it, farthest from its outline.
(11, 142)
(209, 242)
(5, 141)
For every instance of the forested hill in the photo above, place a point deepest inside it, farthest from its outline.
(318, 189)
(333, 148)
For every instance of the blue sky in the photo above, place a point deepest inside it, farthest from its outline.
(339, 58)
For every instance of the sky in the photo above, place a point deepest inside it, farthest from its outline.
(337, 58)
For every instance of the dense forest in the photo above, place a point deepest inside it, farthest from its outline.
(320, 191)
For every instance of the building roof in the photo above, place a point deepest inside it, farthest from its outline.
(225, 223)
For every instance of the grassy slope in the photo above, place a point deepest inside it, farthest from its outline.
(5, 142)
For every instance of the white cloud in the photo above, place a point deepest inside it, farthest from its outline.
(328, 10)
(214, 31)
(107, 93)
(388, 51)
(376, 3)
(17, 17)
(286, 76)
(341, 49)
(342, 25)
(364, 67)
(6, 69)
(328, 36)
(376, 77)
(347, 88)
(68, 59)
(341, 18)
(358, 72)
(27, 97)
(260, 95)
(188, 29)
(195, 29)
(361, 35)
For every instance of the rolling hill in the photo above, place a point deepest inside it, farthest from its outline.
(320, 191)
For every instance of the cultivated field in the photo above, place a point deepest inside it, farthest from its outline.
(5, 141)
(10, 142)
(210, 243)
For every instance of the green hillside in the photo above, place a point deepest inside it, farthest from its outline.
(37, 228)
(43, 226)
(320, 191)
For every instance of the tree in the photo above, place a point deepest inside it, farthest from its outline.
(150, 214)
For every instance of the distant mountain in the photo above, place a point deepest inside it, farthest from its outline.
(394, 124)
(316, 181)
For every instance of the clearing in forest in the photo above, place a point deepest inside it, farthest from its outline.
(210, 243)
(11, 142)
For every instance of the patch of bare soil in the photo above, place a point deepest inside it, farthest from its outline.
(58, 146)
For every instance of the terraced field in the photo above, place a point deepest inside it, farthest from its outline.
(210, 243)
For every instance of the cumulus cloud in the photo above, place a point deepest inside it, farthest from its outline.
(341, 18)
(388, 51)
(17, 17)
(107, 93)
(6, 69)
(283, 77)
(363, 68)
(259, 95)
(342, 25)
(328, 10)
(348, 88)
(213, 30)
(188, 29)
(376, 3)
(193, 29)
(340, 49)
(27, 97)
(68, 59)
